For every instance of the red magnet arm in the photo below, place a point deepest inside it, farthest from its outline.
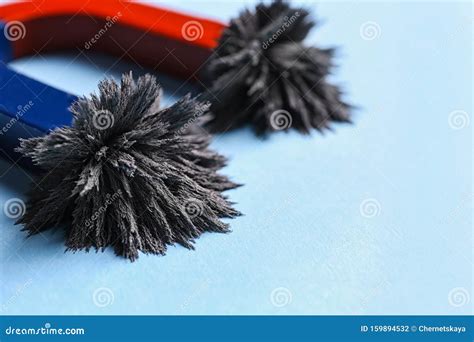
(162, 39)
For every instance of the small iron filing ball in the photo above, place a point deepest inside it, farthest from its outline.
(261, 73)
(128, 174)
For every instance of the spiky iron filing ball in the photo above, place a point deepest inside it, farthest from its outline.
(262, 73)
(127, 174)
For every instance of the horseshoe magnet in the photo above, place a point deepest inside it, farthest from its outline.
(165, 40)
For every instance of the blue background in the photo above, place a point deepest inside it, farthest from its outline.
(303, 229)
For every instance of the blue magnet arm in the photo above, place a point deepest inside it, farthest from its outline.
(6, 48)
(28, 108)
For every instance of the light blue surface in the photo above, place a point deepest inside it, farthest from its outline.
(303, 229)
